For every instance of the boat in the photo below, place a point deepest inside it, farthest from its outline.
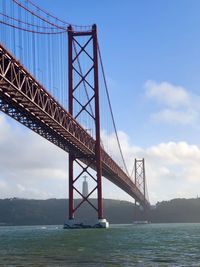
(141, 222)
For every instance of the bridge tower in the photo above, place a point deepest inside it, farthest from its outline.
(140, 182)
(140, 177)
(87, 81)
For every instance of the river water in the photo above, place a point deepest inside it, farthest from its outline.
(120, 245)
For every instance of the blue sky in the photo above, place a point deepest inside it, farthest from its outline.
(140, 41)
(151, 54)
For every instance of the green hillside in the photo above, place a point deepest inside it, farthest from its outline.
(55, 211)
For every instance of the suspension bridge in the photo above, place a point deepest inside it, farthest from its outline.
(52, 79)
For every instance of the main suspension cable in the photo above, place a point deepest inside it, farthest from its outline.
(27, 23)
(39, 17)
(60, 20)
(27, 30)
(49, 15)
(111, 111)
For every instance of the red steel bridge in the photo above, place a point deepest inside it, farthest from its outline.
(28, 54)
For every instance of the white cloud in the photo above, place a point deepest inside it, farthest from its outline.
(177, 105)
(3, 185)
(30, 165)
(174, 153)
(183, 117)
(168, 94)
(21, 187)
(171, 168)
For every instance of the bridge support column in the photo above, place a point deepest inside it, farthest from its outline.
(84, 101)
(140, 182)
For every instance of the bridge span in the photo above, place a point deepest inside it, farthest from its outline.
(26, 100)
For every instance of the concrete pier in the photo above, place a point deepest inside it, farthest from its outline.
(73, 224)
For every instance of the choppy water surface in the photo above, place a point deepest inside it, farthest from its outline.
(121, 245)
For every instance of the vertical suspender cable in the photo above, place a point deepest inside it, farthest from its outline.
(111, 111)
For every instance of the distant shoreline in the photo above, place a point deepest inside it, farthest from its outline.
(24, 212)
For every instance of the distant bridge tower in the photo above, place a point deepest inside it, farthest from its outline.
(140, 182)
(140, 177)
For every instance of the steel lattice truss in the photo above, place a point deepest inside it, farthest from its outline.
(140, 178)
(27, 101)
(79, 82)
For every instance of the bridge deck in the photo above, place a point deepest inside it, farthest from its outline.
(27, 101)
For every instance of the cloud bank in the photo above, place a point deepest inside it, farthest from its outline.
(32, 167)
(176, 104)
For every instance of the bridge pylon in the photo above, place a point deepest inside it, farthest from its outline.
(140, 176)
(87, 83)
(140, 182)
